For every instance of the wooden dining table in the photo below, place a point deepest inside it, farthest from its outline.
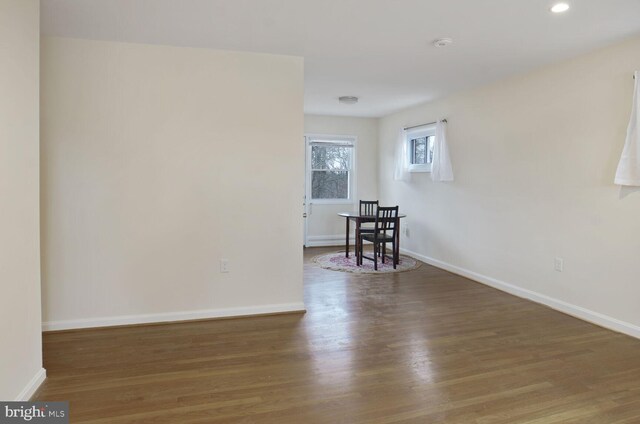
(362, 219)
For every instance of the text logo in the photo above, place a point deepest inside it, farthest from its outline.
(34, 412)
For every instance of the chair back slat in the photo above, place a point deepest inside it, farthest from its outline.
(368, 207)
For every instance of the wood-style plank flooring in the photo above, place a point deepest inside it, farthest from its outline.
(423, 346)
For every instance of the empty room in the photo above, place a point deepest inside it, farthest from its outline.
(305, 211)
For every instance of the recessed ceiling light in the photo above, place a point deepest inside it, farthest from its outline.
(348, 100)
(560, 7)
(442, 42)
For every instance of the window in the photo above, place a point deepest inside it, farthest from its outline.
(330, 165)
(420, 148)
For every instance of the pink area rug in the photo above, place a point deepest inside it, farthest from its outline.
(336, 261)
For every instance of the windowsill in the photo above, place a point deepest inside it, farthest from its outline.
(420, 168)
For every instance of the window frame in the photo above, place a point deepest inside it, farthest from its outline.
(329, 139)
(412, 134)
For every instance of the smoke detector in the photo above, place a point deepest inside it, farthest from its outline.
(442, 42)
(348, 100)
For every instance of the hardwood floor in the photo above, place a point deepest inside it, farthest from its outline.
(423, 346)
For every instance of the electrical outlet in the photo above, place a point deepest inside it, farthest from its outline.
(559, 264)
(224, 265)
(405, 230)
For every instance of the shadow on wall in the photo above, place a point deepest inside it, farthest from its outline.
(628, 191)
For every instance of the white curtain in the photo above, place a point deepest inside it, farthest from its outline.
(401, 172)
(441, 169)
(628, 173)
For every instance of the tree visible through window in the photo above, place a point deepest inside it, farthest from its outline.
(331, 170)
(422, 150)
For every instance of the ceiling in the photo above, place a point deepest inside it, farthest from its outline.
(378, 50)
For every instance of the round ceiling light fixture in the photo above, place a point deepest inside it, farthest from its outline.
(560, 7)
(348, 100)
(442, 42)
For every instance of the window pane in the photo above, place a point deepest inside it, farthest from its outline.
(422, 150)
(430, 141)
(330, 185)
(330, 157)
(419, 150)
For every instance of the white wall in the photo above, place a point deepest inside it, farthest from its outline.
(534, 160)
(324, 227)
(21, 352)
(158, 162)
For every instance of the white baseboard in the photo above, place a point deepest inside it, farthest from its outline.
(322, 241)
(559, 305)
(33, 385)
(172, 316)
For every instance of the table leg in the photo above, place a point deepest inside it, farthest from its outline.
(357, 242)
(346, 245)
(396, 259)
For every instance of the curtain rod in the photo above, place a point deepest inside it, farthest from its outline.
(424, 125)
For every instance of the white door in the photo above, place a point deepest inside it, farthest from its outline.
(329, 187)
(305, 212)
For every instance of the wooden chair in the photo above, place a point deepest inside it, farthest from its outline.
(367, 208)
(385, 231)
